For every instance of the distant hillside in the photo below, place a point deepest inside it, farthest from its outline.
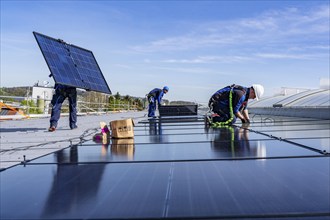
(90, 96)
(182, 103)
(14, 91)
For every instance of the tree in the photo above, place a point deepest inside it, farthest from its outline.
(127, 98)
(32, 107)
(117, 96)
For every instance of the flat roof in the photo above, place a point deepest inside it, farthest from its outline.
(175, 168)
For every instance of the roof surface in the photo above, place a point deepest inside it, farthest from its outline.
(178, 167)
(309, 98)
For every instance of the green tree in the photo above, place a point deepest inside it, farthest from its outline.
(32, 108)
(117, 96)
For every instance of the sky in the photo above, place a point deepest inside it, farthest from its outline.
(193, 47)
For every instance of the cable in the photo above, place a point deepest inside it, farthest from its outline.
(285, 140)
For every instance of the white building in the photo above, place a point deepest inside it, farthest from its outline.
(42, 97)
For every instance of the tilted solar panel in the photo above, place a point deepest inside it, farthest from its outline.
(72, 65)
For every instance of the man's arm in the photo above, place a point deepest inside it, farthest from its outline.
(246, 116)
(159, 98)
(240, 116)
(239, 99)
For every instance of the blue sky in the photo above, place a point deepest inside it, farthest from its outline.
(194, 47)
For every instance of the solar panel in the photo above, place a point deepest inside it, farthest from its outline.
(180, 170)
(72, 65)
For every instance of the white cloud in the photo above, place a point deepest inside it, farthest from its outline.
(286, 56)
(183, 70)
(211, 59)
(123, 66)
(194, 87)
(277, 27)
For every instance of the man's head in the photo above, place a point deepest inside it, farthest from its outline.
(165, 89)
(256, 91)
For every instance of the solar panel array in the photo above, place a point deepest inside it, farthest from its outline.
(179, 168)
(72, 65)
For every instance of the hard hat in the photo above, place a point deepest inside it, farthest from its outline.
(258, 90)
(166, 88)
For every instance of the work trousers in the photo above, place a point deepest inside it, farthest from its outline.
(223, 113)
(152, 107)
(57, 101)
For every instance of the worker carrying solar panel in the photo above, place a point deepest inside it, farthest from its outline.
(61, 93)
(230, 103)
(154, 96)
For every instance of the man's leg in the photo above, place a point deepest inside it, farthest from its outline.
(56, 102)
(222, 115)
(151, 110)
(73, 108)
(152, 107)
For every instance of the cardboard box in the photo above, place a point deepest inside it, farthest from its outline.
(122, 128)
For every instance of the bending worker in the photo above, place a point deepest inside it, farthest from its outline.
(230, 103)
(154, 96)
(61, 93)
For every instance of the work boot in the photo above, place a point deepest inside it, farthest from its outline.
(73, 127)
(51, 129)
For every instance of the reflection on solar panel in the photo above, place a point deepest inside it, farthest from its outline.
(71, 65)
(179, 168)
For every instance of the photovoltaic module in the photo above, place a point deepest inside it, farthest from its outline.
(72, 65)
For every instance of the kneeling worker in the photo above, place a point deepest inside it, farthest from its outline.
(230, 103)
(154, 96)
